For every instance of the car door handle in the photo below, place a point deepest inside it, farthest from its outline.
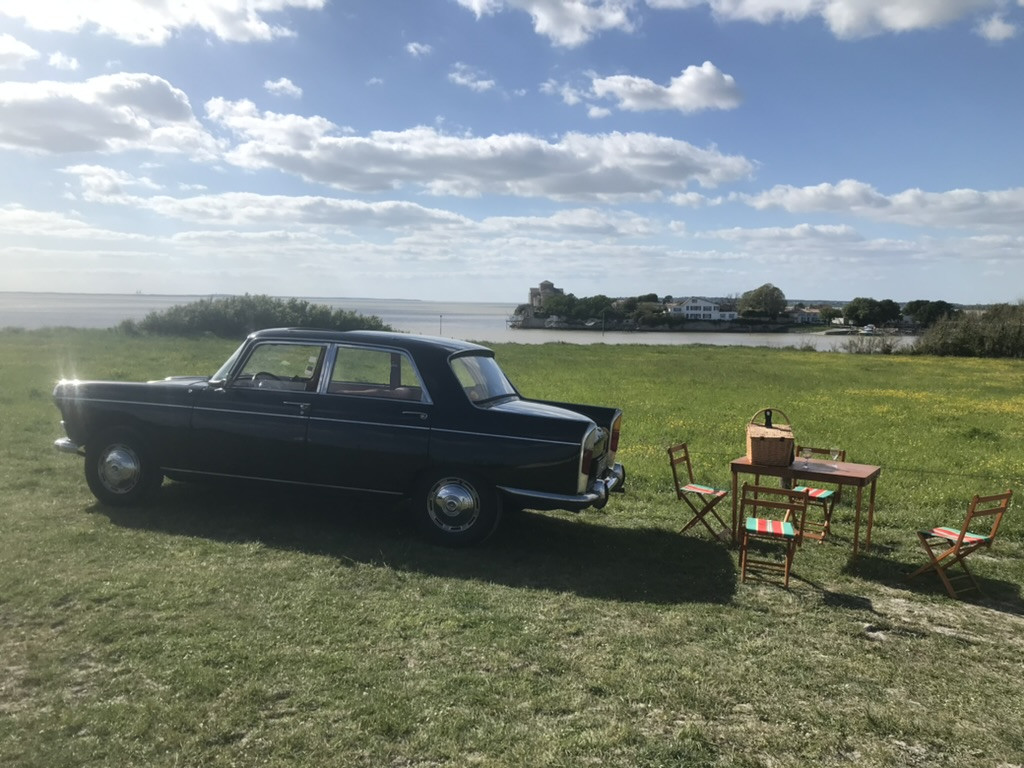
(303, 407)
(419, 414)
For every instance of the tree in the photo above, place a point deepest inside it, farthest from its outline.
(927, 313)
(860, 311)
(828, 314)
(767, 301)
(888, 313)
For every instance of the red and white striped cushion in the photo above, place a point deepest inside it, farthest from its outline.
(694, 488)
(814, 493)
(953, 534)
(770, 528)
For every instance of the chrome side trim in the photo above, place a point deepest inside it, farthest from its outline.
(507, 437)
(280, 482)
(121, 402)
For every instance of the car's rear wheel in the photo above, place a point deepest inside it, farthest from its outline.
(456, 508)
(120, 468)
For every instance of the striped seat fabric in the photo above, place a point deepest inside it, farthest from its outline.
(953, 534)
(815, 493)
(692, 488)
(764, 527)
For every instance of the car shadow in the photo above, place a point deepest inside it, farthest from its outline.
(581, 554)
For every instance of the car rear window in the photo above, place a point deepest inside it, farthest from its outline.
(482, 378)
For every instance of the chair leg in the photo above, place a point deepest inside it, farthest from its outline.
(941, 565)
(790, 551)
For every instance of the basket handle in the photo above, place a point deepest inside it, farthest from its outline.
(770, 410)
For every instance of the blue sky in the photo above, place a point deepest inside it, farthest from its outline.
(469, 149)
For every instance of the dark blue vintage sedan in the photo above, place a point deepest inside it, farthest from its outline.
(430, 419)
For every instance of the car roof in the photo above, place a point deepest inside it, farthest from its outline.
(408, 341)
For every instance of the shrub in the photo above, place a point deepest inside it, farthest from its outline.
(998, 332)
(234, 316)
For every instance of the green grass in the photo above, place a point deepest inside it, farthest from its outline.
(221, 628)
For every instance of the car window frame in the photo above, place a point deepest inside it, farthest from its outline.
(243, 359)
(331, 360)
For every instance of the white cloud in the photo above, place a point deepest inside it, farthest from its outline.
(59, 61)
(694, 90)
(282, 87)
(467, 77)
(18, 221)
(419, 49)
(110, 113)
(913, 207)
(567, 23)
(570, 95)
(798, 233)
(250, 209)
(576, 167)
(996, 29)
(15, 54)
(845, 18)
(575, 222)
(99, 182)
(143, 22)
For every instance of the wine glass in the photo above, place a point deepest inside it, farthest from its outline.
(806, 453)
(834, 452)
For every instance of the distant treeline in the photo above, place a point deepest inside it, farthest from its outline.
(236, 316)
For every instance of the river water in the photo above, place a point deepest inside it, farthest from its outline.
(476, 321)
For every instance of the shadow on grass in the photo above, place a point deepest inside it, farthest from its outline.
(547, 551)
(997, 594)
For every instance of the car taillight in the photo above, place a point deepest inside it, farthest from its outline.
(613, 444)
(588, 459)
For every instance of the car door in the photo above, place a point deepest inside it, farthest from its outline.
(370, 429)
(255, 424)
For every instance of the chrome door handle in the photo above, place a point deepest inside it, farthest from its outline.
(420, 414)
(303, 407)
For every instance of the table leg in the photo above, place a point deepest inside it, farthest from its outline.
(856, 520)
(735, 508)
(871, 514)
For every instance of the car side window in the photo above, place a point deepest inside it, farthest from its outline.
(367, 372)
(293, 367)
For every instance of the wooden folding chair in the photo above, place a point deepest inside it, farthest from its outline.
(825, 498)
(947, 547)
(701, 499)
(762, 508)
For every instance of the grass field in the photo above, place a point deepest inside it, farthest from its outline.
(271, 628)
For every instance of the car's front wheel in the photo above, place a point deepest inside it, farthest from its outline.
(120, 468)
(456, 508)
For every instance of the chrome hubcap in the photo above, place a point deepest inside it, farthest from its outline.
(453, 505)
(119, 469)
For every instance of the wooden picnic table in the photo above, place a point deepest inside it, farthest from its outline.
(811, 471)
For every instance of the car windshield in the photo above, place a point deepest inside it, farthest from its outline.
(481, 378)
(225, 369)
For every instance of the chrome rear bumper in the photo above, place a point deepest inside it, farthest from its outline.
(596, 496)
(66, 445)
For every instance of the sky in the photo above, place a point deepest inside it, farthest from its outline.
(466, 150)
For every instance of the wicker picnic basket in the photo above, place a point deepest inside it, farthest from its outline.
(770, 444)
